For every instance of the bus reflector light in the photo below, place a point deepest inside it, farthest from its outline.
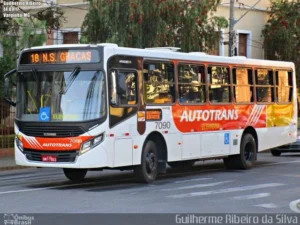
(126, 134)
(135, 146)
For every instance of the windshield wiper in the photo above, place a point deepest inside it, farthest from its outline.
(89, 99)
(70, 79)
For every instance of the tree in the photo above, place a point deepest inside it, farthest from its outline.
(52, 17)
(33, 33)
(282, 33)
(152, 23)
(51, 14)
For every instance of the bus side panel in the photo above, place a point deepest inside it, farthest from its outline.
(122, 148)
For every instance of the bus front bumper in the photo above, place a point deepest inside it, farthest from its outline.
(95, 158)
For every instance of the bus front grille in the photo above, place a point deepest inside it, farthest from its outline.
(52, 131)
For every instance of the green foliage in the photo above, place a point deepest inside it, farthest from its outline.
(7, 141)
(33, 33)
(28, 38)
(282, 33)
(152, 23)
(8, 61)
(53, 15)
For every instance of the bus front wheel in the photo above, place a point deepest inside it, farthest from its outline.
(75, 174)
(147, 171)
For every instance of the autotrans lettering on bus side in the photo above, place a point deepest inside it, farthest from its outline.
(205, 115)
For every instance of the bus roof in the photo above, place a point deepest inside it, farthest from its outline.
(173, 54)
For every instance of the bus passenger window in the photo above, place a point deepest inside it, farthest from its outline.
(264, 85)
(159, 85)
(284, 86)
(242, 85)
(219, 84)
(191, 84)
(127, 88)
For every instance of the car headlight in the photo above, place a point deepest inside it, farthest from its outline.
(19, 143)
(88, 145)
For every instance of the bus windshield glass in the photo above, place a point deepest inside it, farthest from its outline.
(61, 96)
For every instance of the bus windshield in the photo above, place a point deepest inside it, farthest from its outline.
(60, 96)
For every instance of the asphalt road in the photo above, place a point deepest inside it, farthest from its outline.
(272, 186)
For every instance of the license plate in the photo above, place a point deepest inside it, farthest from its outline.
(49, 158)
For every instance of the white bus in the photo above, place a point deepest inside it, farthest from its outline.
(83, 107)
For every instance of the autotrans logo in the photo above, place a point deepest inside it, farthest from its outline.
(16, 219)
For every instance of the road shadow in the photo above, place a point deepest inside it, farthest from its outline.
(99, 181)
(126, 180)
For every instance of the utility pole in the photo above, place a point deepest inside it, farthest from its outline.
(231, 28)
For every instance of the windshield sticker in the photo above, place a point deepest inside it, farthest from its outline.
(65, 117)
(44, 114)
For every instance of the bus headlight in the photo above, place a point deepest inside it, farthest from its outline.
(88, 145)
(19, 143)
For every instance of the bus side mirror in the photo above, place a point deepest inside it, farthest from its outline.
(114, 88)
(8, 89)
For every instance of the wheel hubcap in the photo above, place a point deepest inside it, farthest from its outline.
(248, 151)
(150, 162)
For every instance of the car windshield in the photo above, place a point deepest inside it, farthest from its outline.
(61, 96)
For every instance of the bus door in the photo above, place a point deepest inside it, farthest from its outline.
(123, 110)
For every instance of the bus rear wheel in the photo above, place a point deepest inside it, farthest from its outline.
(246, 159)
(147, 171)
(275, 153)
(75, 174)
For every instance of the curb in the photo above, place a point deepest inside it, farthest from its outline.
(10, 152)
(9, 168)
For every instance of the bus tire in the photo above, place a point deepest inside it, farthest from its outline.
(182, 164)
(75, 174)
(148, 170)
(246, 159)
(275, 153)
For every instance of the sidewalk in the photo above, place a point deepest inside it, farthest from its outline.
(7, 160)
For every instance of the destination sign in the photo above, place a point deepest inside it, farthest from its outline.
(60, 56)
